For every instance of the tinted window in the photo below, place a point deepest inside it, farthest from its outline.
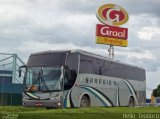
(113, 69)
(72, 62)
(69, 79)
(97, 66)
(86, 64)
(49, 59)
(90, 65)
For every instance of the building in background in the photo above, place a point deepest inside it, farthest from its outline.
(11, 85)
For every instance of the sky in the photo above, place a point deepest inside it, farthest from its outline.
(28, 26)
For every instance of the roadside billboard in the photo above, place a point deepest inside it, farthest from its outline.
(109, 33)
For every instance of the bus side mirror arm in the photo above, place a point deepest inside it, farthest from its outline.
(20, 71)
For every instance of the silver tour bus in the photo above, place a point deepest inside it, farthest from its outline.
(75, 78)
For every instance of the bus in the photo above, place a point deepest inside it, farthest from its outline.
(76, 78)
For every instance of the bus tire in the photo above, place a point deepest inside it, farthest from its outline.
(85, 101)
(131, 102)
(49, 108)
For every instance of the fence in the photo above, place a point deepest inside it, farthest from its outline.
(11, 85)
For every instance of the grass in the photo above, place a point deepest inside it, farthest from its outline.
(77, 113)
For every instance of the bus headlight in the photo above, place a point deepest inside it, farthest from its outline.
(59, 104)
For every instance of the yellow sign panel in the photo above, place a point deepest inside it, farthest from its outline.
(111, 41)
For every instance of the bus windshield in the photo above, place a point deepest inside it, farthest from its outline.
(43, 79)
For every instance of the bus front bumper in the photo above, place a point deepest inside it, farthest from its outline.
(43, 103)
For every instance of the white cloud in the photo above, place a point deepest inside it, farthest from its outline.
(35, 46)
(139, 55)
(148, 32)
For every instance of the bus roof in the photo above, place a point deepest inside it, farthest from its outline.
(78, 51)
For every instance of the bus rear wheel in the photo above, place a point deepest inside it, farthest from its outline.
(85, 101)
(131, 102)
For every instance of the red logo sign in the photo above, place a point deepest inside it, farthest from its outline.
(111, 31)
(112, 14)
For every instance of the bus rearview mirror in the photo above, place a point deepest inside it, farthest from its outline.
(20, 73)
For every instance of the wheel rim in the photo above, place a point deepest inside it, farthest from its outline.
(85, 102)
(131, 103)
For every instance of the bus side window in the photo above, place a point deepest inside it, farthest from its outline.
(72, 62)
(69, 79)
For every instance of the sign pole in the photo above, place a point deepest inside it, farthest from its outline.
(111, 51)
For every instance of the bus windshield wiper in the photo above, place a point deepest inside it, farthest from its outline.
(35, 81)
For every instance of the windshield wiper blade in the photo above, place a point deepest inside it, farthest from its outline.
(43, 91)
(36, 81)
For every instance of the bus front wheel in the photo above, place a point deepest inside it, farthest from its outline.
(85, 101)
